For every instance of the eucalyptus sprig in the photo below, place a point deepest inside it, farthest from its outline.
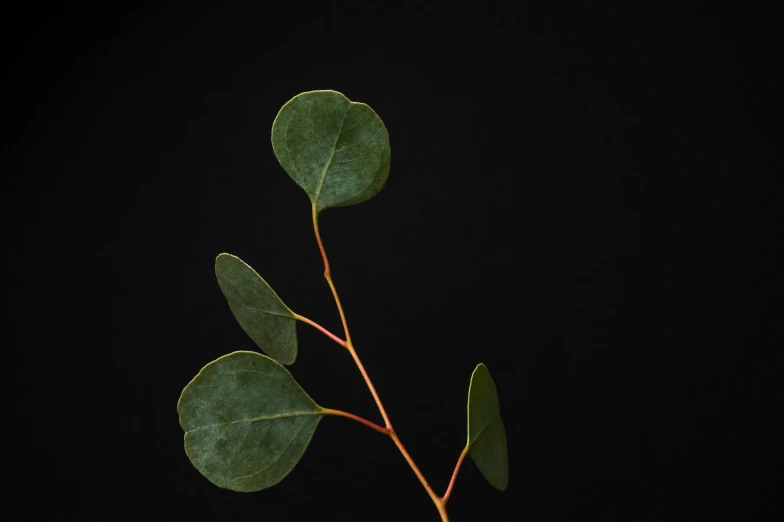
(247, 421)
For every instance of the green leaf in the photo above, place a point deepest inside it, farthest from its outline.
(247, 422)
(258, 309)
(486, 433)
(335, 149)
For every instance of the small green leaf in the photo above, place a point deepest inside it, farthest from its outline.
(258, 309)
(247, 422)
(335, 149)
(486, 433)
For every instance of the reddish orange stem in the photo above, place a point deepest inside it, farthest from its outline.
(389, 430)
(440, 504)
(357, 418)
(314, 214)
(323, 330)
(349, 345)
(448, 493)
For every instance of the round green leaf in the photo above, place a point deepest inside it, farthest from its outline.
(257, 308)
(486, 433)
(335, 149)
(247, 422)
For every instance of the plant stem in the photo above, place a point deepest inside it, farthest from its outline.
(328, 273)
(448, 493)
(349, 345)
(440, 504)
(357, 418)
(323, 330)
(438, 501)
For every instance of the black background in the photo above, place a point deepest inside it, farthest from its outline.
(577, 199)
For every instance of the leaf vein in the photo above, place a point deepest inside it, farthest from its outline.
(262, 470)
(332, 155)
(257, 419)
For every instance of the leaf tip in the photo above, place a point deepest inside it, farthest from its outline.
(223, 258)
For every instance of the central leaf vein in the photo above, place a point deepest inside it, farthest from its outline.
(258, 419)
(268, 312)
(332, 155)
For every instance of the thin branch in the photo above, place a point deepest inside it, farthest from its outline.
(328, 273)
(370, 386)
(349, 345)
(314, 215)
(357, 418)
(439, 503)
(448, 493)
(323, 330)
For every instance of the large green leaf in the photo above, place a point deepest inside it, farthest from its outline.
(247, 422)
(335, 149)
(486, 433)
(258, 309)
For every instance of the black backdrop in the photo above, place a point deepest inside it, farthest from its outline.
(576, 199)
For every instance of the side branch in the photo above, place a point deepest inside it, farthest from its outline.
(448, 493)
(357, 418)
(323, 330)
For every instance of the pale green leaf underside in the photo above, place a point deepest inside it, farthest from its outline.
(247, 422)
(257, 308)
(335, 149)
(486, 433)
